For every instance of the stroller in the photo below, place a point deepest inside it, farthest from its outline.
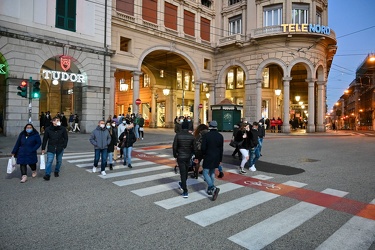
(192, 168)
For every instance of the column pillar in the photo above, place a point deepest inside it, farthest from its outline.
(258, 112)
(286, 95)
(196, 103)
(112, 89)
(320, 127)
(311, 108)
(211, 100)
(136, 75)
(154, 98)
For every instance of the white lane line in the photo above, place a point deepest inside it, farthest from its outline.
(164, 155)
(277, 225)
(82, 160)
(118, 164)
(233, 207)
(164, 187)
(143, 179)
(77, 156)
(357, 233)
(81, 153)
(195, 196)
(133, 171)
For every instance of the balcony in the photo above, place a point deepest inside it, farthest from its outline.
(233, 39)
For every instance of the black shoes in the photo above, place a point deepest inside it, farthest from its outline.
(56, 174)
(215, 194)
(221, 175)
(47, 177)
(130, 166)
(175, 169)
(124, 163)
(110, 167)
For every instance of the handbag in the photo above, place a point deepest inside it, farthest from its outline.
(42, 162)
(141, 129)
(10, 167)
(235, 144)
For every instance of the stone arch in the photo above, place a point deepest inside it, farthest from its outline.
(309, 66)
(270, 61)
(189, 60)
(224, 69)
(320, 72)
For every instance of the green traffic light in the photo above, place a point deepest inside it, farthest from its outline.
(36, 90)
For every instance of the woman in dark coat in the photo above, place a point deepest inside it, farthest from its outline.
(111, 147)
(25, 149)
(243, 137)
(127, 139)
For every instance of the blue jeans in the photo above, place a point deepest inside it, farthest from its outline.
(209, 177)
(50, 157)
(136, 129)
(100, 153)
(260, 144)
(254, 155)
(110, 157)
(128, 155)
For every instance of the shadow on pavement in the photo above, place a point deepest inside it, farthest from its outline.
(266, 166)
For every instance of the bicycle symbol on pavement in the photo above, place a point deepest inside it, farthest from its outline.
(263, 184)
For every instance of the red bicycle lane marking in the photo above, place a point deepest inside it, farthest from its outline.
(341, 204)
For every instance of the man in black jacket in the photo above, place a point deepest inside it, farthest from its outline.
(212, 148)
(183, 149)
(57, 139)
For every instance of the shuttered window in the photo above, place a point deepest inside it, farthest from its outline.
(149, 10)
(170, 16)
(66, 14)
(189, 24)
(205, 29)
(125, 6)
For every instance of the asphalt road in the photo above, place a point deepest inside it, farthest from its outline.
(309, 191)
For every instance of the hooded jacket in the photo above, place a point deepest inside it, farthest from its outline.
(26, 147)
(57, 139)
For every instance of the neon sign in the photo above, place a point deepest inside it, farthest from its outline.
(63, 76)
(2, 71)
(312, 28)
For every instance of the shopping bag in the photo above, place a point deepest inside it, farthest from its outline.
(42, 162)
(13, 161)
(115, 153)
(141, 129)
(10, 167)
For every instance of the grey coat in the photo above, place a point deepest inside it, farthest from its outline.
(100, 138)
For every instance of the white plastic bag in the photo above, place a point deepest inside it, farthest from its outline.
(13, 161)
(141, 129)
(42, 162)
(10, 167)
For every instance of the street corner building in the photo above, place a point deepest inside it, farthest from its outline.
(166, 58)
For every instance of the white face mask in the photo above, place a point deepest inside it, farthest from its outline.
(181, 120)
(58, 123)
(114, 125)
(102, 125)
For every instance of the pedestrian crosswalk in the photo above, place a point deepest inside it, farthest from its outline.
(358, 232)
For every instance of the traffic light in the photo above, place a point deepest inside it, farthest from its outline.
(36, 89)
(22, 89)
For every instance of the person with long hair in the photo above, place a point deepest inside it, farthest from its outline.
(112, 144)
(198, 135)
(25, 150)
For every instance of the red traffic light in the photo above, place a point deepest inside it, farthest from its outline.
(23, 83)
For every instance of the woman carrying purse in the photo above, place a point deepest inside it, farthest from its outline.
(242, 140)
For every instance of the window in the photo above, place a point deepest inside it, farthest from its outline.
(300, 13)
(231, 2)
(235, 25)
(272, 15)
(205, 29)
(149, 10)
(66, 14)
(318, 17)
(126, 6)
(170, 16)
(207, 64)
(266, 78)
(235, 78)
(206, 3)
(124, 44)
(189, 23)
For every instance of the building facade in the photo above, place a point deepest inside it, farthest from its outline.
(166, 58)
(61, 45)
(180, 57)
(355, 108)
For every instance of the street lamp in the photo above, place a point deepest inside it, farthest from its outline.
(277, 92)
(297, 98)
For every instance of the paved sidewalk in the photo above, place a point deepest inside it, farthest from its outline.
(153, 136)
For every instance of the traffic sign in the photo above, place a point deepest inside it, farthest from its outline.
(138, 101)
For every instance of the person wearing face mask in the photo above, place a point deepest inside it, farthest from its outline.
(190, 124)
(177, 126)
(57, 139)
(100, 138)
(120, 129)
(25, 149)
(111, 147)
(127, 139)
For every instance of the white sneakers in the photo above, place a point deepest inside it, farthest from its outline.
(103, 173)
(252, 168)
(94, 169)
